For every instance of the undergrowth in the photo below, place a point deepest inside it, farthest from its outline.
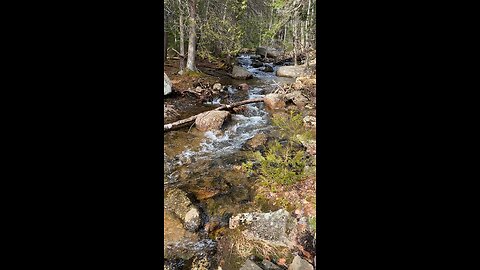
(283, 161)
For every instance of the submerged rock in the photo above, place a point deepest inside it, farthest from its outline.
(241, 73)
(274, 228)
(300, 264)
(212, 120)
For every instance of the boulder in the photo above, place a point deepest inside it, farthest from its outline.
(300, 264)
(241, 73)
(274, 228)
(297, 98)
(269, 52)
(167, 85)
(212, 120)
(291, 71)
(274, 101)
(177, 202)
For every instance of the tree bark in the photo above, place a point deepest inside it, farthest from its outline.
(192, 39)
(182, 41)
(190, 119)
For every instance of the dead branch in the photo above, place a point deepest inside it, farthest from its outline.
(190, 119)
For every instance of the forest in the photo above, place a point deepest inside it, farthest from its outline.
(240, 134)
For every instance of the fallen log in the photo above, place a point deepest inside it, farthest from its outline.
(191, 119)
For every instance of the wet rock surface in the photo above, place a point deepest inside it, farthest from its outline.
(212, 120)
(177, 202)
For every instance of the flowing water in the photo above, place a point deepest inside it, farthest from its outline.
(203, 163)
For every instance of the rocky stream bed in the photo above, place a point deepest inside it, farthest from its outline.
(211, 217)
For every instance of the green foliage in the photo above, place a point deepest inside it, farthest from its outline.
(291, 127)
(281, 164)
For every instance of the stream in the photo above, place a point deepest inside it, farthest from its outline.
(203, 163)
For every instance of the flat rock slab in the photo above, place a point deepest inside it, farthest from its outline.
(291, 71)
(274, 228)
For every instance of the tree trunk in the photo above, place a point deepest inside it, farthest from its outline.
(192, 39)
(182, 41)
(164, 45)
(295, 33)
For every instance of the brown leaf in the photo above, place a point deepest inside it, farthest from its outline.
(282, 261)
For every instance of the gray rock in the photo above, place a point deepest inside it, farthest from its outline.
(297, 98)
(291, 71)
(268, 265)
(167, 85)
(250, 265)
(241, 73)
(300, 264)
(177, 202)
(269, 52)
(274, 228)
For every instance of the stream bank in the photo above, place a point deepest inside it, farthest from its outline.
(204, 176)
